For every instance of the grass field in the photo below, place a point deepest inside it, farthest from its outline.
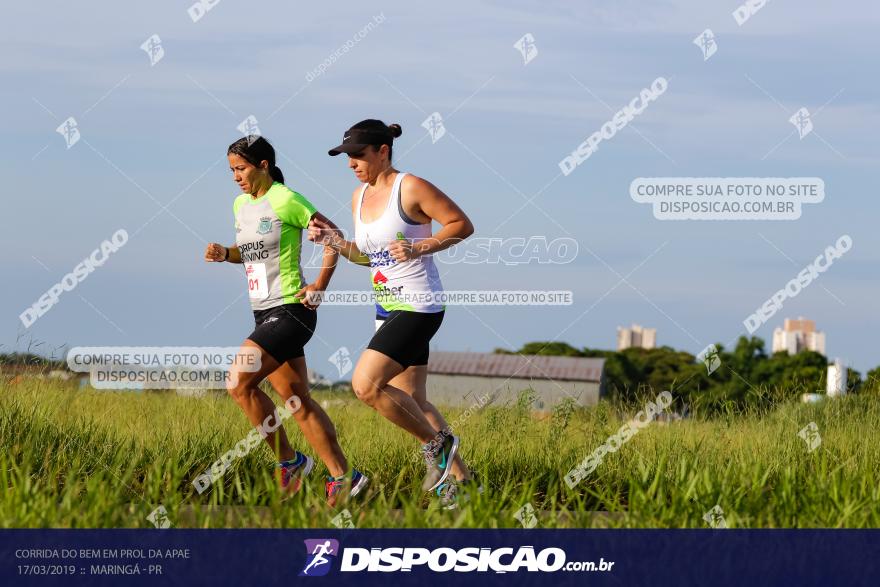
(72, 458)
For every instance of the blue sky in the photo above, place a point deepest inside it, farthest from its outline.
(156, 136)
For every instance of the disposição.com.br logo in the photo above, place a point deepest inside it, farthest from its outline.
(321, 552)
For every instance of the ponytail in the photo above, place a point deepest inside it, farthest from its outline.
(275, 174)
(388, 132)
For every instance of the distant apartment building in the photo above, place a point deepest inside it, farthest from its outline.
(636, 337)
(798, 335)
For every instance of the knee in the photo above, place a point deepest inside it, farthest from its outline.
(241, 389)
(365, 389)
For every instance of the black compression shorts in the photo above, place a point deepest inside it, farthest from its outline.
(405, 336)
(283, 331)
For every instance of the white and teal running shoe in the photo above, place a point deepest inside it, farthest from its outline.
(452, 492)
(438, 457)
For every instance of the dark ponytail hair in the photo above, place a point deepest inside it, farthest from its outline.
(392, 131)
(255, 150)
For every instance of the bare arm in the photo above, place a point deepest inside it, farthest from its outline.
(330, 259)
(312, 294)
(429, 203)
(322, 230)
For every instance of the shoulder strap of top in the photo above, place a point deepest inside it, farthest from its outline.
(395, 190)
(357, 216)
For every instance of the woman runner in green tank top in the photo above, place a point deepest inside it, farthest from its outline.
(269, 220)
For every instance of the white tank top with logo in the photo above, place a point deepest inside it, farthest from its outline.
(413, 285)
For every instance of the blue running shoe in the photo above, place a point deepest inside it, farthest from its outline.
(292, 472)
(342, 488)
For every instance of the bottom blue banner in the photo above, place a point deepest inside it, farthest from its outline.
(426, 557)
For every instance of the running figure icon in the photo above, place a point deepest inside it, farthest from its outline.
(318, 556)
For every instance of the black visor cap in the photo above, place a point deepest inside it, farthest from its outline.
(356, 140)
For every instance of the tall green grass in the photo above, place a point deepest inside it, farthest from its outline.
(85, 458)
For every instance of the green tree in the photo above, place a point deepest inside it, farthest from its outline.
(549, 348)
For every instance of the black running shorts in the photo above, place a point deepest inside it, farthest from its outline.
(283, 331)
(405, 336)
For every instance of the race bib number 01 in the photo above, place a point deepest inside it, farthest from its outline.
(258, 288)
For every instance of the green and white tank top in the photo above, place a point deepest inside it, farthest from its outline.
(411, 285)
(269, 235)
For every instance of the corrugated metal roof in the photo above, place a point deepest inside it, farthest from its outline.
(525, 366)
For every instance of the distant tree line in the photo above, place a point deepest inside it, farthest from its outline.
(747, 376)
(30, 360)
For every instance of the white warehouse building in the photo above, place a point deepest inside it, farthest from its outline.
(460, 378)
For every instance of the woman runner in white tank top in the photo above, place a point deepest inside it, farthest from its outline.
(393, 212)
(412, 285)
